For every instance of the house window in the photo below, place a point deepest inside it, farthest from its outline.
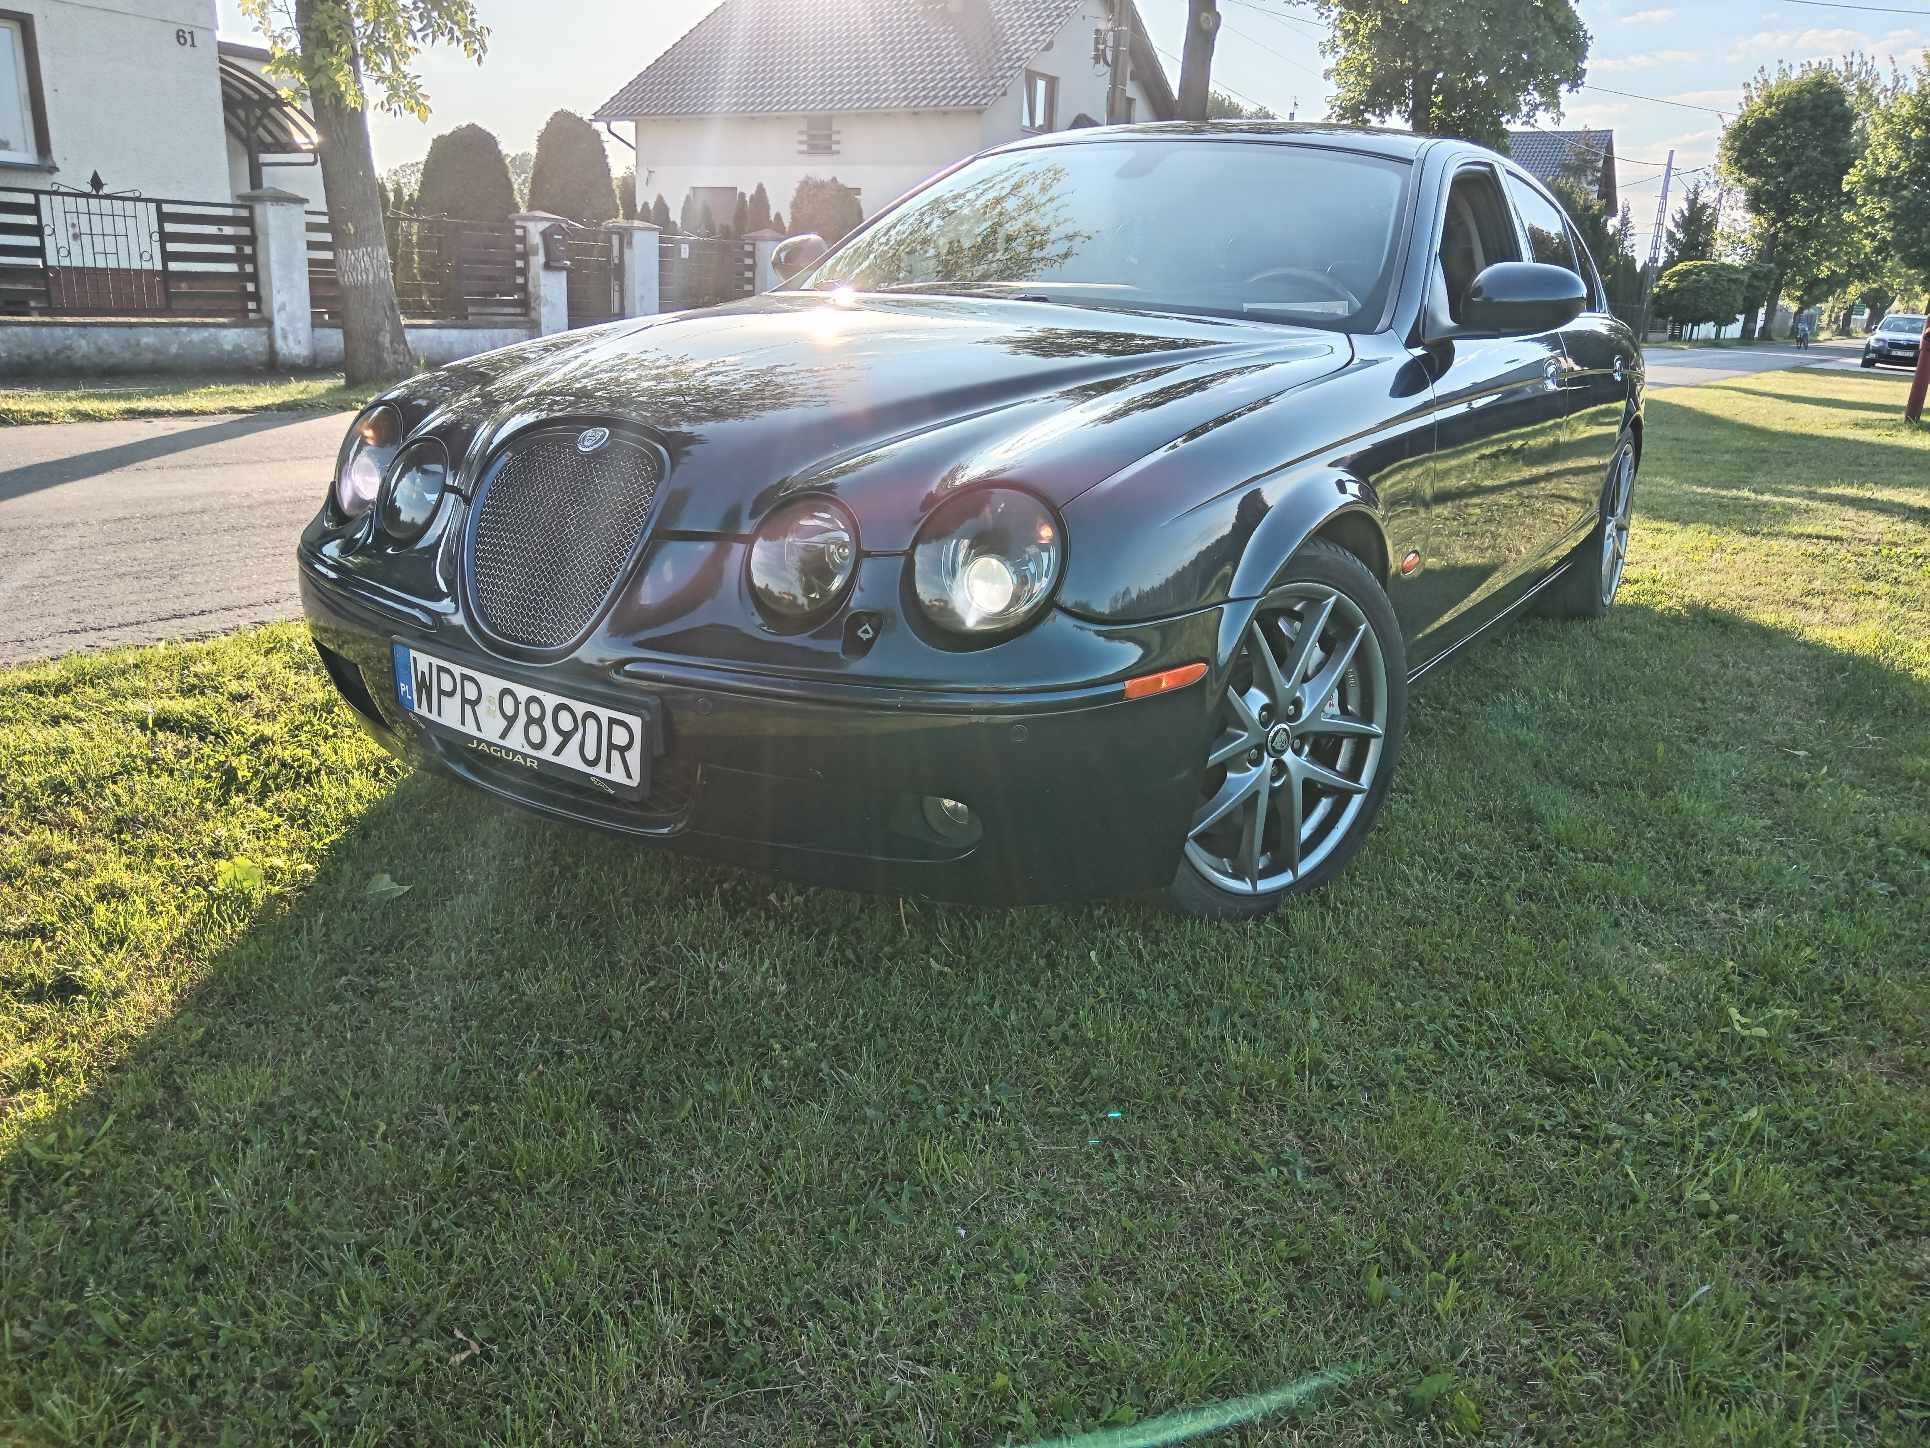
(23, 123)
(819, 136)
(1041, 100)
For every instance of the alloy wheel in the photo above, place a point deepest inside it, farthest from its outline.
(1615, 525)
(1300, 740)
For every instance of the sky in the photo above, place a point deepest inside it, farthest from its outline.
(1689, 59)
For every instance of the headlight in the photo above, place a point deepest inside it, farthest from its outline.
(366, 455)
(986, 561)
(802, 559)
(415, 490)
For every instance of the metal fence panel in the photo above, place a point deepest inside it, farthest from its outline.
(68, 253)
(444, 270)
(701, 271)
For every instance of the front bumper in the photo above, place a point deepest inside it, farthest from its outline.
(1078, 794)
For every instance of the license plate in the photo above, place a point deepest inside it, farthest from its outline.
(510, 723)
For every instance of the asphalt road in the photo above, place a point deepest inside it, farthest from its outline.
(1668, 367)
(129, 532)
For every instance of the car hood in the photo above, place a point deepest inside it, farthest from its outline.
(888, 402)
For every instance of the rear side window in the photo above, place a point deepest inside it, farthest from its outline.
(1547, 228)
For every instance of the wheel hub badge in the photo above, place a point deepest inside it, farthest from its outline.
(1279, 740)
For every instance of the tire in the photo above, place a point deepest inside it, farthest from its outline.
(1869, 363)
(1593, 577)
(1309, 734)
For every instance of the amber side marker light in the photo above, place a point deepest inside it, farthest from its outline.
(1147, 685)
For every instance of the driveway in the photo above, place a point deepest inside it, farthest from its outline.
(129, 532)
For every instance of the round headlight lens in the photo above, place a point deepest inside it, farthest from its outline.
(803, 558)
(420, 478)
(986, 561)
(371, 446)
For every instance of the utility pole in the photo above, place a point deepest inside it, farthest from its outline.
(1121, 50)
(1196, 59)
(1657, 240)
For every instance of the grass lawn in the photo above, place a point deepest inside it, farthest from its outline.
(1592, 1105)
(187, 395)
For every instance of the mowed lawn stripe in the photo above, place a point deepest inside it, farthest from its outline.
(1589, 1106)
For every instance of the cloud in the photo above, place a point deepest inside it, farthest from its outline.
(1825, 43)
(1647, 60)
(1725, 99)
(1649, 17)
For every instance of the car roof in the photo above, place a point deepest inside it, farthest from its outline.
(1371, 140)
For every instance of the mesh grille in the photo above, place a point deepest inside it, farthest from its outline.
(556, 527)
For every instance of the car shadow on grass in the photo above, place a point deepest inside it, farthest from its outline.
(568, 1139)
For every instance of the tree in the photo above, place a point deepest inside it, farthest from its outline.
(1891, 184)
(571, 176)
(1222, 107)
(466, 177)
(627, 195)
(1694, 292)
(740, 221)
(660, 213)
(336, 51)
(1453, 67)
(706, 221)
(1196, 59)
(825, 207)
(777, 223)
(760, 209)
(1692, 235)
(1789, 149)
(520, 164)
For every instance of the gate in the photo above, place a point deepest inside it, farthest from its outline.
(595, 278)
(701, 271)
(69, 253)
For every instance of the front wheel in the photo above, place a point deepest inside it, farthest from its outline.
(1312, 715)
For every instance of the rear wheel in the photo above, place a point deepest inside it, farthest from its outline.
(1310, 726)
(1594, 574)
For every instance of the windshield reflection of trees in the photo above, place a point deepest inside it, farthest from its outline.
(1009, 225)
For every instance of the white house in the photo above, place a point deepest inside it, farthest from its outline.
(143, 94)
(876, 93)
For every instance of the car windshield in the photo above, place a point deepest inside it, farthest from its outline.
(1912, 325)
(1249, 229)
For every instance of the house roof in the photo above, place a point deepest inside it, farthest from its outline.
(1550, 155)
(760, 57)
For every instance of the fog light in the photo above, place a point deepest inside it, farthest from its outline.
(951, 819)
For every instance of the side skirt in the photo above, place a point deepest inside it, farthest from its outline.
(1414, 676)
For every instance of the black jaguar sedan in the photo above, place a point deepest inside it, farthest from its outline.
(1075, 527)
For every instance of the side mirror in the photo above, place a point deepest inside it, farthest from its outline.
(793, 254)
(1517, 297)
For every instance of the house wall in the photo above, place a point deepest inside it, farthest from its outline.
(882, 153)
(126, 98)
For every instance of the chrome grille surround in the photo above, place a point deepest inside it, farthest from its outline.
(554, 529)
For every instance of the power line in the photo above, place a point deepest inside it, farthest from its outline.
(1276, 54)
(1658, 100)
(1217, 84)
(1870, 9)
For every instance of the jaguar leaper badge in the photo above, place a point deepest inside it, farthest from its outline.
(592, 438)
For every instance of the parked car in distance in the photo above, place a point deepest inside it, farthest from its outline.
(1895, 340)
(1073, 528)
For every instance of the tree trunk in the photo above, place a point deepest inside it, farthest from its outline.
(1196, 60)
(1420, 99)
(1920, 384)
(374, 346)
(1769, 305)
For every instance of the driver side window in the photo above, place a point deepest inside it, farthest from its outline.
(1478, 233)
